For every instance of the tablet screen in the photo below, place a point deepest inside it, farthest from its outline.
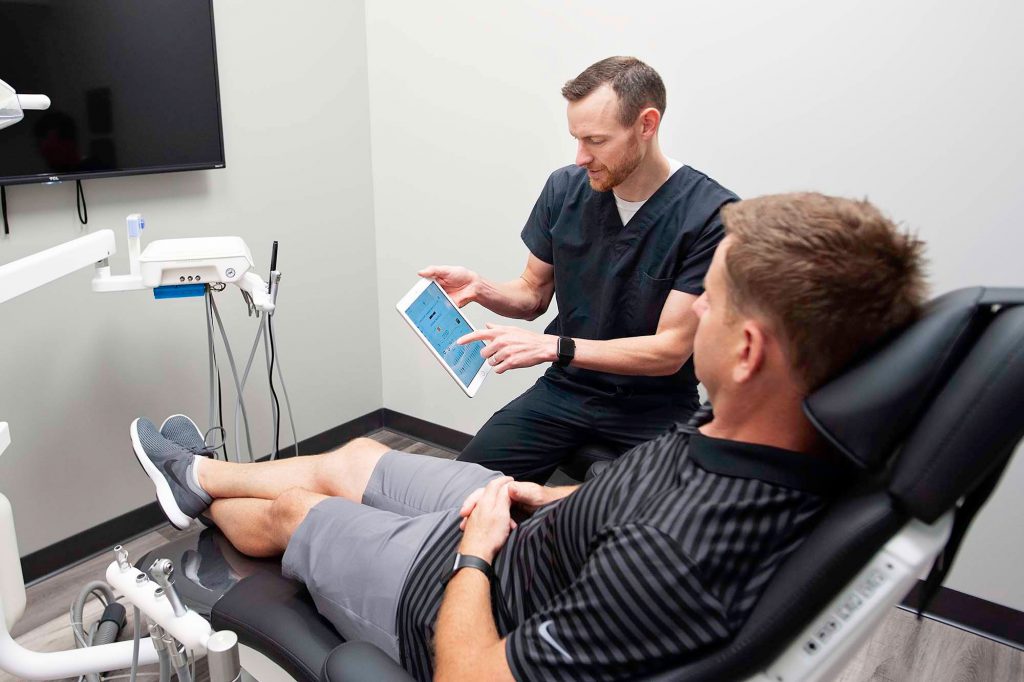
(442, 324)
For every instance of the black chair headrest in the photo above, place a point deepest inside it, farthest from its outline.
(971, 428)
(868, 409)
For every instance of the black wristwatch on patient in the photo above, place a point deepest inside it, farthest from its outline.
(468, 561)
(566, 351)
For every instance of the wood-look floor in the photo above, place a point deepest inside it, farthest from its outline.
(902, 650)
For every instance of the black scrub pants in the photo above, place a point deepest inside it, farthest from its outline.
(528, 438)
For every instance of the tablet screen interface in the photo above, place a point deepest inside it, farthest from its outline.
(442, 324)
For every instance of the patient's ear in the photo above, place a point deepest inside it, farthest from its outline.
(753, 347)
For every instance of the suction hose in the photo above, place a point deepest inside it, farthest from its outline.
(111, 622)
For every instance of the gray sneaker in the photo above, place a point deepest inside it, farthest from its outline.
(167, 463)
(180, 429)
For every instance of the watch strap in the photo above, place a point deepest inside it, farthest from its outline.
(566, 351)
(468, 561)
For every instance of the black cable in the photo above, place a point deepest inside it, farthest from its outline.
(220, 403)
(273, 393)
(3, 208)
(220, 416)
(83, 209)
(270, 369)
(220, 394)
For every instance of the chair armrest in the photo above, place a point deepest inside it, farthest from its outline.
(578, 464)
(356, 661)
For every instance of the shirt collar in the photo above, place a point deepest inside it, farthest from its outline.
(818, 474)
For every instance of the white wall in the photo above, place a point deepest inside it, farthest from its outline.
(76, 367)
(914, 105)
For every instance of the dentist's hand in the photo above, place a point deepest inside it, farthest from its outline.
(512, 347)
(458, 282)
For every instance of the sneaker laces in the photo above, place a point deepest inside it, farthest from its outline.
(205, 450)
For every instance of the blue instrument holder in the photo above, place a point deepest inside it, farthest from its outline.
(179, 291)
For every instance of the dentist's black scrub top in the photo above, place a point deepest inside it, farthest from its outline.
(611, 280)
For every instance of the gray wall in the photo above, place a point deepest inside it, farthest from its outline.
(78, 366)
(915, 105)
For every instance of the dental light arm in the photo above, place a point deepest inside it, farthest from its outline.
(12, 105)
(32, 272)
(34, 102)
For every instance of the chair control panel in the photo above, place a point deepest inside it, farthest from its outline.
(848, 606)
(820, 650)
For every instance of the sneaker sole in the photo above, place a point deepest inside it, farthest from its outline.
(164, 496)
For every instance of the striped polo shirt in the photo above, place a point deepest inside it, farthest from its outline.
(662, 556)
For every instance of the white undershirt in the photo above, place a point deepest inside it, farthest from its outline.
(628, 209)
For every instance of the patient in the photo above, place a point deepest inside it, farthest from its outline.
(657, 559)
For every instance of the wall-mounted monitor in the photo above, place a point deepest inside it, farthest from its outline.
(133, 86)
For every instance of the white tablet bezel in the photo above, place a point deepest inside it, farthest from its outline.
(407, 301)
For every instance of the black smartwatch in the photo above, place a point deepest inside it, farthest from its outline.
(566, 351)
(468, 561)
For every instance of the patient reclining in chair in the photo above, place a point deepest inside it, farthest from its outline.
(460, 572)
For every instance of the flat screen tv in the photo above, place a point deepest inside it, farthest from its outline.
(132, 83)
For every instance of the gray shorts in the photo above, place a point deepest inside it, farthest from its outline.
(354, 558)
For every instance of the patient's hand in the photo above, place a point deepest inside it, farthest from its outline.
(529, 496)
(489, 523)
(471, 501)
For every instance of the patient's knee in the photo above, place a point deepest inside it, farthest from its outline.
(363, 447)
(344, 472)
(290, 509)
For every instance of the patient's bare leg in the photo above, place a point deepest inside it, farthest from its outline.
(262, 528)
(339, 473)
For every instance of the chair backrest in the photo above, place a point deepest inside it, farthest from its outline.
(950, 390)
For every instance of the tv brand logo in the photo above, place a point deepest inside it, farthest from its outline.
(54, 178)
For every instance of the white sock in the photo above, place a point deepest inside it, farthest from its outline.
(193, 478)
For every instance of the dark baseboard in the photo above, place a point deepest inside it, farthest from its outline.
(64, 554)
(425, 431)
(993, 621)
(339, 435)
(999, 623)
(100, 538)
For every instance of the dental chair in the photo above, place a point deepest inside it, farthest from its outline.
(930, 420)
(588, 461)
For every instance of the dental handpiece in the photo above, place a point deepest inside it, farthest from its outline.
(162, 571)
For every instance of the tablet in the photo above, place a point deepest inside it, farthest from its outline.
(439, 324)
